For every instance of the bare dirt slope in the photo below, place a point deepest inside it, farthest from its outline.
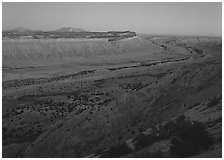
(35, 53)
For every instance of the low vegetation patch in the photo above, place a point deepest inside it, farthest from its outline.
(214, 101)
(116, 151)
(188, 137)
(143, 140)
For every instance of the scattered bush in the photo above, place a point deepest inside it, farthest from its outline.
(188, 137)
(146, 154)
(143, 141)
(198, 51)
(214, 101)
(116, 151)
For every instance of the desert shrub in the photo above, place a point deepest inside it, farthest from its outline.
(156, 154)
(163, 132)
(141, 129)
(143, 140)
(4, 129)
(146, 154)
(196, 104)
(213, 122)
(98, 151)
(198, 51)
(214, 101)
(188, 137)
(120, 138)
(116, 151)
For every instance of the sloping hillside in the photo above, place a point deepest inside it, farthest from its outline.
(139, 87)
(34, 53)
(170, 95)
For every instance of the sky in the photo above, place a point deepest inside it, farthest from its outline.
(190, 18)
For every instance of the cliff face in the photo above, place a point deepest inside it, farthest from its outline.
(34, 53)
(29, 48)
(66, 32)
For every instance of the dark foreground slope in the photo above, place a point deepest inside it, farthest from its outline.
(104, 112)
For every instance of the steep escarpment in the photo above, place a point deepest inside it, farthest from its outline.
(35, 53)
(65, 32)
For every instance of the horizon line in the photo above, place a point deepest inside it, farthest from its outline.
(153, 34)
